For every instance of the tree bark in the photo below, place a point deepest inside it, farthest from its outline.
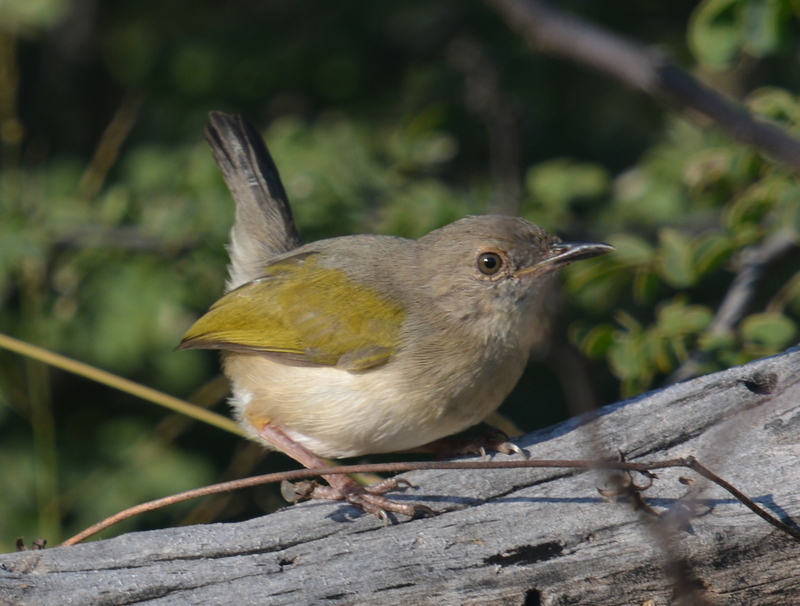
(518, 536)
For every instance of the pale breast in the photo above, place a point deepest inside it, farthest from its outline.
(336, 413)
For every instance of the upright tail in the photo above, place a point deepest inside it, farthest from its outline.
(264, 226)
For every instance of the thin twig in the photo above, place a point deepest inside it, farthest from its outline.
(551, 31)
(298, 474)
(107, 151)
(695, 466)
(117, 382)
(754, 261)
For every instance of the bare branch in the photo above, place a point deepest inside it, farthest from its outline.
(505, 536)
(108, 148)
(734, 306)
(551, 31)
(581, 465)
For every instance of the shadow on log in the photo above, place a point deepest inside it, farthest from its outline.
(520, 536)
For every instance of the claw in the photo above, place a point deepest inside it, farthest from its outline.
(492, 439)
(340, 488)
(388, 484)
(367, 499)
(301, 491)
(517, 450)
(426, 511)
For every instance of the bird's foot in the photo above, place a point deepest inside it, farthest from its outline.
(369, 499)
(340, 487)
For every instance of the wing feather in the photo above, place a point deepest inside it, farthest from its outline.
(304, 312)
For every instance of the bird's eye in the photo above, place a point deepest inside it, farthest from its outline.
(489, 263)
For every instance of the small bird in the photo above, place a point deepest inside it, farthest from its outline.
(368, 344)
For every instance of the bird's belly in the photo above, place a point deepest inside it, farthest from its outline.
(336, 413)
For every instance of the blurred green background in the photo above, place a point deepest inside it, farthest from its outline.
(391, 117)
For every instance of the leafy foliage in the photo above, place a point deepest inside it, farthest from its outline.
(718, 199)
(721, 30)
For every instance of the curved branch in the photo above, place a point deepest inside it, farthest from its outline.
(741, 292)
(551, 31)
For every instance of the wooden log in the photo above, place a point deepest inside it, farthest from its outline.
(520, 536)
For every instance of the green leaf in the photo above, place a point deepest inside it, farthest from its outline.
(28, 14)
(770, 330)
(645, 286)
(763, 25)
(632, 250)
(707, 168)
(675, 259)
(775, 103)
(630, 359)
(597, 342)
(714, 32)
(678, 318)
(626, 356)
(720, 29)
(712, 251)
(557, 182)
(713, 343)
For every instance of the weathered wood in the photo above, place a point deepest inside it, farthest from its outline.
(502, 536)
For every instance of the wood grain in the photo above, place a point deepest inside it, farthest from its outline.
(519, 537)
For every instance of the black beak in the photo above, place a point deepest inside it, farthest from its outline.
(564, 253)
(569, 252)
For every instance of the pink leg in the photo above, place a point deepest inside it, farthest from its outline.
(341, 487)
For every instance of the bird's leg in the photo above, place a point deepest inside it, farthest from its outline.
(341, 487)
(492, 439)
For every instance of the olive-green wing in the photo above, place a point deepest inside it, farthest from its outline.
(305, 313)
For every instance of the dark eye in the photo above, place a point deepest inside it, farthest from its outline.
(489, 263)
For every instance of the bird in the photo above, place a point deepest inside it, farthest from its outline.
(368, 344)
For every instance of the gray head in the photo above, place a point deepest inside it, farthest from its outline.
(493, 264)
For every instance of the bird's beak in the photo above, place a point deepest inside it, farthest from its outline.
(564, 253)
